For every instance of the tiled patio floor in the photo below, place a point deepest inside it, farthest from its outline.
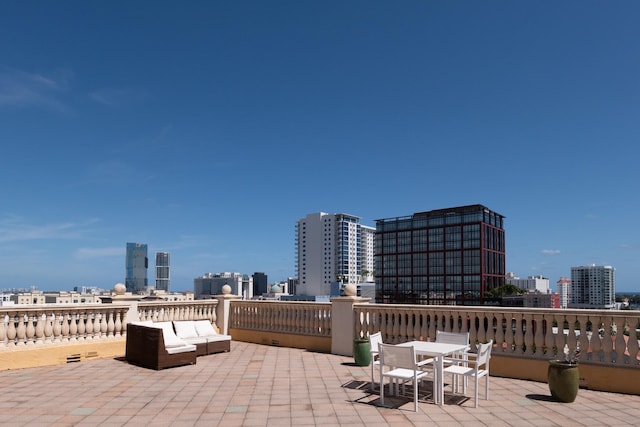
(256, 385)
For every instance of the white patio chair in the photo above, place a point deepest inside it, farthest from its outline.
(454, 338)
(402, 365)
(475, 369)
(374, 341)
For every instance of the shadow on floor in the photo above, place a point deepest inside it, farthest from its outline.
(541, 397)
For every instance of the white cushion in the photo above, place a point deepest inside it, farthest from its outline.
(204, 328)
(170, 337)
(219, 337)
(181, 349)
(143, 323)
(185, 329)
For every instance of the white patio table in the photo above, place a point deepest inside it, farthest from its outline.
(438, 351)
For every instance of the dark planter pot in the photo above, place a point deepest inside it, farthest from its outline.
(362, 352)
(564, 380)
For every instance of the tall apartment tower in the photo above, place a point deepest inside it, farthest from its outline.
(329, 250)
(163, 271)
(137, 264)
(367, 260)
(593, 286)
(446, 256)
(564, 290)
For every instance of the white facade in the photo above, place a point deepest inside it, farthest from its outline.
(564, 290)
(531, 283)
(592, 286)
(332, 248)
(367, 238)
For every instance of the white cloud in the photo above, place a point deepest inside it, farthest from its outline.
(14, 228)
(551, 251)
(117, 97)
(23, 90)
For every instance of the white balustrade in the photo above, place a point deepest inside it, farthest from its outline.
(178, 310)
(603, 337)
(295, 317)
(58, 324)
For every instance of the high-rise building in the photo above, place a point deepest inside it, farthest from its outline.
(163, 271)
(136, 264)
(564, 290)
(260, 284)
(445, 256)
(593, 286)
(331, 249)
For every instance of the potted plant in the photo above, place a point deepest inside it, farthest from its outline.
(563, 375)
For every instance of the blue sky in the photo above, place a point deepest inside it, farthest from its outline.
(207, 129)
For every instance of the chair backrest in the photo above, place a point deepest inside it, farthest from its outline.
(452, 337)
(397, 356)
(375, 340)
(484, 353)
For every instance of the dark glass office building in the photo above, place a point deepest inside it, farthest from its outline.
(137, 264)
(447, 256)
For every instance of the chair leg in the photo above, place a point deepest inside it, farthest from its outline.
(475, 398)
(486, 387)
(372, 379)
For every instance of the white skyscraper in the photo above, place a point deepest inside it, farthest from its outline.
(592, 286)
(331, 249)
(564, 290)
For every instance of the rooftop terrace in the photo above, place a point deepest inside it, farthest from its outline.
(260, 385)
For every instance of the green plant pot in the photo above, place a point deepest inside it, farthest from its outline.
(564, 380)
(362, 352)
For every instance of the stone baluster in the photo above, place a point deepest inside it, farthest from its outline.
(111, 332)
(482, 330)
(499, 334)
(104, 324)
(12, 332)
(447, 321)
(88, 325)
(597, 336)
(30, 331)
(528, 324)
(549, 339)
(620, 346)
(82, 318)
(490, 332)
(98, 318)
(632, 344)
(572, 339)
(509, 333)
(607, 340)
(583, 339)
(48, 328)
(40, 324)
(473, 329)
(66, 320)
(539, 325)
(3, 331)
(118, 324)
(519, 334)
(21, 332)
(56, 320)
(73, 326)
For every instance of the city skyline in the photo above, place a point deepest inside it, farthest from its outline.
(207, 130)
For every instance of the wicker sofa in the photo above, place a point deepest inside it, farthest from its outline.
(202, 334)
(156, 347)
